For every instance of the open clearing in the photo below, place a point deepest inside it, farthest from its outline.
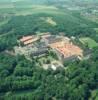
(34, 9)
(88, 41)
(94, 94)
(96, 29)
(51, 21)
(38, 9)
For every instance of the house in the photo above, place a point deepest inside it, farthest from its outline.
(53, 65)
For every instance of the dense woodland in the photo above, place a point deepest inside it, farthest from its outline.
(22, 79)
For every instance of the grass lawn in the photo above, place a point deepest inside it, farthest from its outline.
(91, 43)
(94, 95)
(96, 29)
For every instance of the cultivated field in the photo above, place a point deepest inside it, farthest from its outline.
(34, 9)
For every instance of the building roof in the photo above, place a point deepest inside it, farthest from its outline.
(28, 39)
(25, 38)
(67, 49)
(46, 35)
(53, 39)
(28, 42)
(40, 52)
(40, 44)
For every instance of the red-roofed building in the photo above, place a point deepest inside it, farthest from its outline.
(26, 40)
(66, 50)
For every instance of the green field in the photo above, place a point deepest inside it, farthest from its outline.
(34, 9)
(96, 29)
(88, 41)
(94, 94)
